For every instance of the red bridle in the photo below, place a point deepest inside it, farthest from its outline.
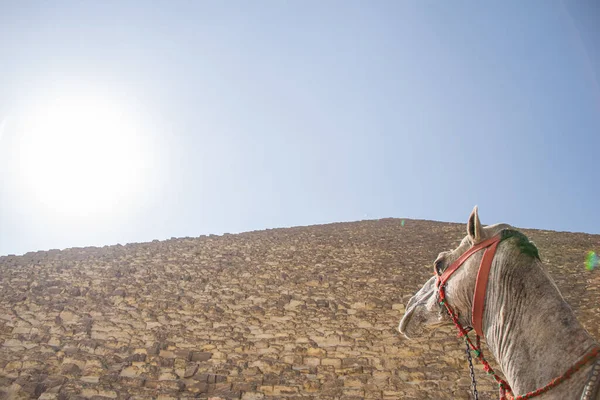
(482, 277)
(490, 246)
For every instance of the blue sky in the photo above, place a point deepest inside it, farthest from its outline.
(271, 114)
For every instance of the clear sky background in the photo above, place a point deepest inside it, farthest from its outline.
(128, 121)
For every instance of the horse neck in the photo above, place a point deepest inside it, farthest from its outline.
(531, 331)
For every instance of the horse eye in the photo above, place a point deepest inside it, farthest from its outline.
(438, 266)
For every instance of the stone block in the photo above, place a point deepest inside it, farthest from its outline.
(312, 361)
(200, 356)
(285, 390)
(335, 362)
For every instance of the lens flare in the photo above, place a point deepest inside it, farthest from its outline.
(591, 261)
(402, 223)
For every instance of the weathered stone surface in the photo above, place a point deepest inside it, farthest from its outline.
(300, 313)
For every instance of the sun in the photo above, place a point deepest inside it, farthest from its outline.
(82, 154)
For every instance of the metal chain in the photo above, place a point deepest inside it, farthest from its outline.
(472, 372)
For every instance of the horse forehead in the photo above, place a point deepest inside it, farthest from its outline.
(464, 245)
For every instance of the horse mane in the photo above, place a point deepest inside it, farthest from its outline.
(525, 245)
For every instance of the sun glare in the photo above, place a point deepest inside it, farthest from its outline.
(82, 155)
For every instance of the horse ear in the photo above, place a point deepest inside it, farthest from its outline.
(474, 228)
